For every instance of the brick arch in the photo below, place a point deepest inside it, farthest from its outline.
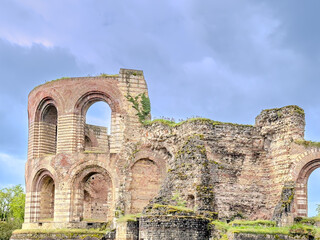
(104, 198)
(86, 100)
(43, 106)
(158, 158)
(41, 100)
(302, 160)
(46, 115)
(147, 173)
(114, 100)
(38, 177)
(307, 163)
(43, 196)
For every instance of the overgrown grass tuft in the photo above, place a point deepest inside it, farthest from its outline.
(307, 143)
(129, 217)
(197, 120)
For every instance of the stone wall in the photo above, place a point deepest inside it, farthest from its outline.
(212, 169)
(168, 227)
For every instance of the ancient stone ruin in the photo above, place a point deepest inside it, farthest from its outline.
(178, 175)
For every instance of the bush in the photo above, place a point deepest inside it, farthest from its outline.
(6, 229)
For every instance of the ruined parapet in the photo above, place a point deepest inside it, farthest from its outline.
(281, 123)
(71, 179)
(280, 129)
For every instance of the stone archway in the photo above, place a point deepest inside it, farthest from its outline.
(113, 101)
(301, 190)
(43, 200)
(92, 198)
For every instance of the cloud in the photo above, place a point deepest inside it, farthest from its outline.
(23, 68)
(12, 170)
(225, 60)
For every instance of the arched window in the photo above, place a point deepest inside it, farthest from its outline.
(96, 197)
(92, 196)
(313, 192)
(97, 127)
(48, 130)
(46, 191)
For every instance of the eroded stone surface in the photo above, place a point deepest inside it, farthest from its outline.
(77, 174)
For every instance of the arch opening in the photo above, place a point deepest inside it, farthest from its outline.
(97, 126)
(92, 197)
(301, 191)
(145, 184)
(47, 193)
(48, 129)
(313, 192)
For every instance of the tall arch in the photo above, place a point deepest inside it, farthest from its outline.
(47, 118)
(81, 108)
(301, 191)
(92, 195)
(44, 198)
(97, 126)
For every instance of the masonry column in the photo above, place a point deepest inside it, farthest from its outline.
(70, 133)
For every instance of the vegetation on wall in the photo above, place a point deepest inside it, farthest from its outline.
(141, 103)
(307, 143)
(263, 227)
(12, 201)
(196, 120)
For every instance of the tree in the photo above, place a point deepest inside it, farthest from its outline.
(12, 202)
(318, 209)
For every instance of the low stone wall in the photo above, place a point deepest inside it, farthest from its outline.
(171, 227)
(51, 236)
(250, 236)
(127, 230)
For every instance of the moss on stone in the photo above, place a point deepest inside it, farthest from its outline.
(60, 231)
(295, 108)
(108, 75)
(129, 217)
(191, 120)
(170, 209)
(307, 143)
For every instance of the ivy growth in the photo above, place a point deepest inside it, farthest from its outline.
(141, 103)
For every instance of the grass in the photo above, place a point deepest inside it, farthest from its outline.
(173, 209)
(295, 108)
(94, 220)
(129, 217)
(265, 223)
(198, 120)
(61, 231)
(108, 75)
(266, 227)
(261, 230)
(307, 143)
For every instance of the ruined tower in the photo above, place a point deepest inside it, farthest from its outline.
(72, 173)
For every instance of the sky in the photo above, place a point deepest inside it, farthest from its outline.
(223, 60)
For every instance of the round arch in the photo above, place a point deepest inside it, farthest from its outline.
(89, 98)
(43, 187)
(301, 190)
(43, 107)
(93, 194)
